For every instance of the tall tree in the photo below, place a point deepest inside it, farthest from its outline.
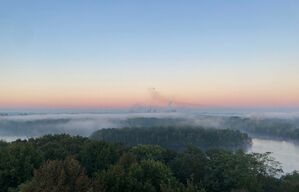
(58, 176)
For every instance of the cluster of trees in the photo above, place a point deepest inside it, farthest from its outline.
(62, 163)
(278, 128)
(175, 138)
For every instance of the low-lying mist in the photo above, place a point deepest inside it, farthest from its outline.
(13, 126)
(35, 125)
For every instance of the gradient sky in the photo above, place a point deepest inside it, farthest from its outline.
(110, 53)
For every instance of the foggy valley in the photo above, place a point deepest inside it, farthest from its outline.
(149, 96)
(266, 129)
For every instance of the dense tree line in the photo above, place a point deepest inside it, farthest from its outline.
(278, 128)
(154, 122)
(36, 127)
(62, 163)
(175, 138)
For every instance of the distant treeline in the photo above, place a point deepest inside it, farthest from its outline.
(154, 122)
(269, 127)
(279, 128)
(175, 138)
(62, 163)
(37, 127)
(76, 126)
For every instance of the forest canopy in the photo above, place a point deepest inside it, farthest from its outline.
(76, 164)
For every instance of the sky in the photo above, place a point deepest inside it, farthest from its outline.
(97, 54)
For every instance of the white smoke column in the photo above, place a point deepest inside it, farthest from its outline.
(159, 99)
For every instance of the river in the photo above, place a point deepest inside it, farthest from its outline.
(286, 152)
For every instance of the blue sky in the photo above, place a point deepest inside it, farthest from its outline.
(102, 53)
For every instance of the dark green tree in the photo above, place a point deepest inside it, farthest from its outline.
(58, 176)
(17, 162)
(290, 182)
(96, 156)
(190, 165)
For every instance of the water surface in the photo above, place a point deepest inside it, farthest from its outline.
(286, 152)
